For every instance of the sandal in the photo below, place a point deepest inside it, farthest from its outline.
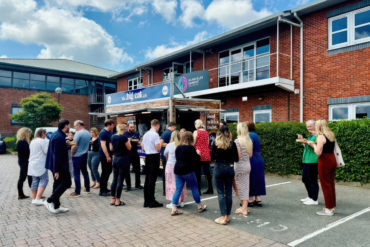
(257, 203)
(176, 212)
(250, 204)
(221, 221)
(121, 203)
(202, 209)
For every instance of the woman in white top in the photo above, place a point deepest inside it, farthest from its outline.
(169, 152)
(36, 167)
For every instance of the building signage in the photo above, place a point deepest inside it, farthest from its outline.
(161, 91)
(212, 121)
(194, 81)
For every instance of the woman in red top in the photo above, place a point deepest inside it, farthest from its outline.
(202, 146)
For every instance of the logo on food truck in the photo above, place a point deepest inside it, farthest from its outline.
(134, 95)
(164, 90)
(183, 83)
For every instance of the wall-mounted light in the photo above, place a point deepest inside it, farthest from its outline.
(260, 98)
(146, 112)
(245, 98)
(129, 115)
(296, 91)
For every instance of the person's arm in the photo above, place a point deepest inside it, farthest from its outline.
(195, 134)
(111, 147)
(158, 144)
(319, 146)
(59, 147)
(74, 148)
(238, 148)
(235, 152)
(45, 146)
(128, 144)
(166, 151)
(105, 150)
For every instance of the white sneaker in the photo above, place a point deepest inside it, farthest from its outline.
(310, 202)
(305, 199)
(62, 209)
(50, 207)
(182, 204)
(169, 205)
(38, 202)
(325, 212)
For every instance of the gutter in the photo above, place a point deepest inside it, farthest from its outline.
(301, 71)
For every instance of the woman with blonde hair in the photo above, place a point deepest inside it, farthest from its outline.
(186, 158)
(224, 153)
(23, 148)
(242, 168)
(93, 159)
(169, 153)
(201, 140)
(120, 146)
(327, 165)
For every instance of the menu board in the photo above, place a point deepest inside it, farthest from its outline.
(213, 120)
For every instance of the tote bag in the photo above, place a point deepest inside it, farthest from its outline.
(338, 155)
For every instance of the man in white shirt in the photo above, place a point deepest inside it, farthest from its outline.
(152, 146)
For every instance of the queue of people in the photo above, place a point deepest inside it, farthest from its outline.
(238, 164)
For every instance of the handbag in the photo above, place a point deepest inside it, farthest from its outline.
(338, 155)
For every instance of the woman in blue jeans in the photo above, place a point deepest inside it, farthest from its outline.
(93, 159)
(224, 153)
(120, 146)
(186, 158)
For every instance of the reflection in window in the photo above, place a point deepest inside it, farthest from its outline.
(340, 113)
(5, 78)
(52, 82)
(230, 117)
(110, 88)
(362, 111)
(82, 87)
(38, 82)
(68, 85)
(15, 109)
(262, 116)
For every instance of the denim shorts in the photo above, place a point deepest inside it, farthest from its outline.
(40, 181)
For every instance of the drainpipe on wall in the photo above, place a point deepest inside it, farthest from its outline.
(277, 46)
(301, 70)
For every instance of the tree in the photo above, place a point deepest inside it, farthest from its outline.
(38, 110)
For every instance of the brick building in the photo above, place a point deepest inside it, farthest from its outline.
(310, 62)
(83, 88)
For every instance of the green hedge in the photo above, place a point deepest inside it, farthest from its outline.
(283, 155)
(11, 143)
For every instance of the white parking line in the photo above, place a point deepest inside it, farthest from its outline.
(213, 197)
(328, 227)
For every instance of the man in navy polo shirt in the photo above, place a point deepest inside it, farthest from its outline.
(105, 156)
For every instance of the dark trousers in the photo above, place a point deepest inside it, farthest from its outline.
(22, 178)
(198, 171)
(121, 167)
(80, 165)
(151, 172)
(309, 178)
(164, 162)
(224, 176)
(59, 187)
(135, 162)
(327, 168)
(106, 170)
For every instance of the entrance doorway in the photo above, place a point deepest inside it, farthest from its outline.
(186, 119)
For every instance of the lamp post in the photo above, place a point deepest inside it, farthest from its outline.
(58, 91)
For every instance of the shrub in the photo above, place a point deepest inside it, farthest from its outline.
(283, 155)
(11, 143)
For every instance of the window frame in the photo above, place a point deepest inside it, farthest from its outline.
(350, 29)
(225, 114)
(262, 112)
(139, 83)
(351, 110)
(12, 122)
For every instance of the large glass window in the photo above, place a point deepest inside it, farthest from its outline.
(249, 63)
(15, 109)
(110, 88)
(82, 86)
(68, 85)
(349, 111)
(38, 82)
(135, 83)
(52, 82)
(262, 116)
(5, 78)
(230, 117)
(350, 28)
(21, 80)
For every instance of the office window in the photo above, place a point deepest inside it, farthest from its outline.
(68, 85)
(230, 117)
(82, 87)
(5, 78)
(262, 116)
(15, 109)
(135, 83)
(350, 28)
(38, 82)
(52, 82)
(21, 80)
(349, 111)
(110, 88)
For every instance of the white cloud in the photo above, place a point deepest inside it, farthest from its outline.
(162, 50)
(61, 33)
(233, 13)
(3, 56)
(191, 9)
(166, 8)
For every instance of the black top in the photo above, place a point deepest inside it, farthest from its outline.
(328, 146)
(105, 135)
(186, 159)
(94, 146)
(229, 155)
(119, 147)
(23, 149)
(132, 135)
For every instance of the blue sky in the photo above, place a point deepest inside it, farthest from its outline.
(118, 34)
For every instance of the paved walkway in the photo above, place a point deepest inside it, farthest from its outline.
(93, 222)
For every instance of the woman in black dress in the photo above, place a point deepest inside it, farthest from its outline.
(23, 148)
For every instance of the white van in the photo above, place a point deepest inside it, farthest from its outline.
(51, 130)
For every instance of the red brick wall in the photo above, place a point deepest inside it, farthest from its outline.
(330, 76)
(75, 107)
(122, 84)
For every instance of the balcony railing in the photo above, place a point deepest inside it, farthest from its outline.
(96, 98)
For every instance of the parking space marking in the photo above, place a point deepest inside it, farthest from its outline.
(213, 197)
(328, 227)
